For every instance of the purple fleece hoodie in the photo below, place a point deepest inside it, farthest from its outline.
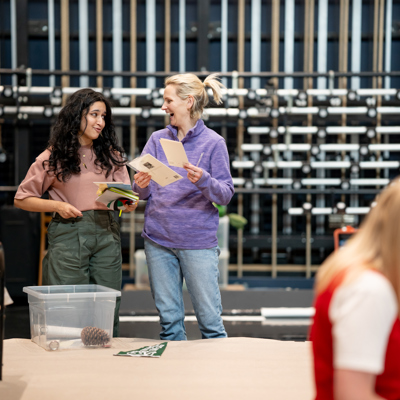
(181, 215)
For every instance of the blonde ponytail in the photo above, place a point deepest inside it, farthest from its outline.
(212, 81)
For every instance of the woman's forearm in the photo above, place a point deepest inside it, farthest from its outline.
(354, 385)
(37, 205)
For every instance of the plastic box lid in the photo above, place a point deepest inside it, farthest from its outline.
(70, 292)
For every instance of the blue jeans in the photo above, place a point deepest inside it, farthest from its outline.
(167, 268)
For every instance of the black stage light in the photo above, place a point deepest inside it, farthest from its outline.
(323, 112)
(124, 101)
(371, 112)
(371, 133)
(242, 114)
(321, 133)
(352, 95)
(155, 93)
(248, 184)
(267, 150)
(315, 150)
(107, 92)
(296, 184)
(364, 150)
(3, 155)
(306, 168)
(273, 133)
(57, 91)
(56, 96)
(355, 168)
(145, 113)
(335, 101)
(7, 91)
(302, 95)
(345, 185)
(258, 168)
(48, 112)
(340, 207)
(274, 113)
(251, 94)
(232, 102)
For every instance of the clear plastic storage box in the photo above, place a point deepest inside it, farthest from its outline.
(71, 316)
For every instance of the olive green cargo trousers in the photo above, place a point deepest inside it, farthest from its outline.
(85, 250)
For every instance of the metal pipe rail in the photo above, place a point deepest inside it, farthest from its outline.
(328, 211)
(330, 191)
(209, 112)
(232, 74)
(250, 93)
(322, 131)
(315, 149)
(328, 164)
(321, 182)
(296, 184)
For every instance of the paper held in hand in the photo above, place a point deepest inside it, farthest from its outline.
(109, 192)
(158, 171)
(174, 152)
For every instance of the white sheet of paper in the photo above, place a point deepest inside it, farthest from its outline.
(175, 152)
(158, 171)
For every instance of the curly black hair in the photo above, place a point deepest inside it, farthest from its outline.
(64, 142)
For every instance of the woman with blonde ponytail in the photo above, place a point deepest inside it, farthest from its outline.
(180, 219)
(356, 329)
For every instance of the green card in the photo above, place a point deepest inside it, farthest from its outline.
(147, 351)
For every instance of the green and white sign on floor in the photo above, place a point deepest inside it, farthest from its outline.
(147, 351)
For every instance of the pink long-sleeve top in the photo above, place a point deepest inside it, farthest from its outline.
(79, 190)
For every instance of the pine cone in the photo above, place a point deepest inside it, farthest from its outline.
(92, 336)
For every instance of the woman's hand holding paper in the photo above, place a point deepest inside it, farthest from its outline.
(194, 173)
(142, 179)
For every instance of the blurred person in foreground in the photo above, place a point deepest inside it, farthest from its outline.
(356, 329)
(84, 238)
(181, 221)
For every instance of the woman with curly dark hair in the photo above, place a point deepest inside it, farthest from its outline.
(84, 239)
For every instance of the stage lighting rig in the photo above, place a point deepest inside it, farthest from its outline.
(242, 114)
(145, 113)
(48, 112)
(335, 101)
(321, 133)
(273, 133)
(274, 113)
(107, 92)
(323, 112)
(252, 95)
(296, 184)
(7, 91)
(371, 112)
(352, 95)
(371, 133)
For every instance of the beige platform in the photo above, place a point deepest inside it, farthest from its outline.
(234, 368)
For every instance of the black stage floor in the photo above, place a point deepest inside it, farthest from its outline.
(241, 314)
